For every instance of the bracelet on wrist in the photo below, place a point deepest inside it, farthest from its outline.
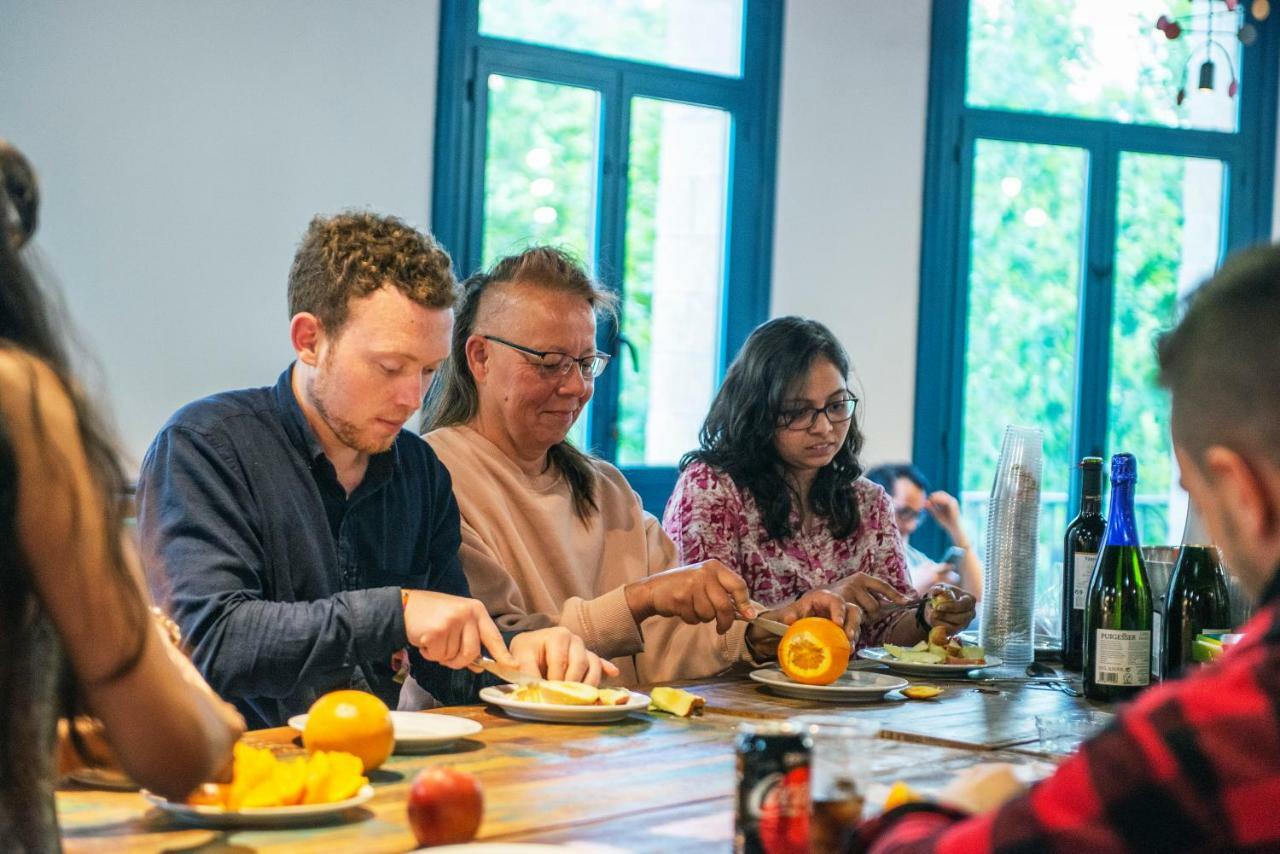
(920, 620)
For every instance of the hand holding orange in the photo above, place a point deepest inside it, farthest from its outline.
(814, 651)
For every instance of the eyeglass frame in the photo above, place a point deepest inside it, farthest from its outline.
(562, 370)
(813, 412)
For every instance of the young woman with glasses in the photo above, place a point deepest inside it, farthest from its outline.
(775, 489)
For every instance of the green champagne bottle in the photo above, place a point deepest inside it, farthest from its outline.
(1197, 600)
(1118, 617)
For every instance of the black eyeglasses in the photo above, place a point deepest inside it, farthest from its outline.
(555, 364)
(805, 417)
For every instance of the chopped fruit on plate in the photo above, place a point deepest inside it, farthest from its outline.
(927, 652)
(675, 701)
(259, 780)
(559, 693)
(814, 651)
(921, 692)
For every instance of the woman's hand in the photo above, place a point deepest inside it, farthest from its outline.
(815, 603)
(950, 607)
(557, 653)
(698, 593)
(868, 593)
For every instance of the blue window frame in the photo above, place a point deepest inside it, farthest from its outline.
(956, 133)
(469, 60)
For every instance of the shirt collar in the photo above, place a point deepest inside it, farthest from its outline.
(293, 418)
(304, 438)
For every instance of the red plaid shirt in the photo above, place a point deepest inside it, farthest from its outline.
(1193, 765)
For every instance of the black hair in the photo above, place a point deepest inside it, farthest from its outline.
(30, 324)
(887, 475)
(738, 434)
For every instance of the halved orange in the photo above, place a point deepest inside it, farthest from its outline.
(814, 651)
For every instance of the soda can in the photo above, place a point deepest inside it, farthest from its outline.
(771, 814)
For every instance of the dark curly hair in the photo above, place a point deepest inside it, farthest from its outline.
(738, 435)
(353, 254)
(454, 399)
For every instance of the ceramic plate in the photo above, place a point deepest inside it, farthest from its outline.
(877, 653)
(295, 816)
(417, 732)
(853, 686)
(500, 696)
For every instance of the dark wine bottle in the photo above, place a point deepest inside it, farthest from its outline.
(1118, 615)
(1197, 600)
(1079, 554)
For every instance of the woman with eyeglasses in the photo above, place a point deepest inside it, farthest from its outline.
(550, 534)
(775, 489)
(76, 632)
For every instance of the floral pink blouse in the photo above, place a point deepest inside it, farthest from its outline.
(708, 516)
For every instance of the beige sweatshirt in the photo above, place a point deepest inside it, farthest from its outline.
(535, 564)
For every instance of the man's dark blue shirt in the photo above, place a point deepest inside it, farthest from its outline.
(284, 586)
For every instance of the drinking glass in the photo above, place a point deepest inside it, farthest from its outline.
(840, 769)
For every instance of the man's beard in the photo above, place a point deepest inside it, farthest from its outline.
(346, 431)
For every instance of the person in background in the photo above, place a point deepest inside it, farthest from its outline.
(551, 535)
(912, 499)
(1193, 764)
(76, 634)
(308, 541)
(774, 490)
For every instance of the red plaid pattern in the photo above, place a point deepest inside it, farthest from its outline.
(1192, 765)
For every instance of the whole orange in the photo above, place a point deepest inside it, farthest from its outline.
(814, 651)
(352, 721)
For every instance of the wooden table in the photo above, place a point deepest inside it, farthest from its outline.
(649, 783)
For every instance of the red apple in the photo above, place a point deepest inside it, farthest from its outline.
(445, 806)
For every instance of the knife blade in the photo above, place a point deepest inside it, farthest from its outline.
(506, 674)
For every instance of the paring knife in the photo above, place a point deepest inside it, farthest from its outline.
(506, 674)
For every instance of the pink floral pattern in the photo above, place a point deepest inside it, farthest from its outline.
(708, 516)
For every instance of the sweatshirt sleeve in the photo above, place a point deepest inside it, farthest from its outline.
(604, 622)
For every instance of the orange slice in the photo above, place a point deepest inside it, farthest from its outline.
(814, 651)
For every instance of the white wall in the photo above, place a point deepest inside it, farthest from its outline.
(850, 177)
(184, 146)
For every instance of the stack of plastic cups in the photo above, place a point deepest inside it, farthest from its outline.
(1009, 581)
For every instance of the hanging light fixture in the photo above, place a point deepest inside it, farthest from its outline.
(1238, 26)
(1206, 76)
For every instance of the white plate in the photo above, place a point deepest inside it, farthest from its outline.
(880, 654)
(500, 696)
(417, 732)
(207, 816)
(853, 686)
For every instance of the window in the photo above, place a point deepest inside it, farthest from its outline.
(641, 135)
(1073, 200)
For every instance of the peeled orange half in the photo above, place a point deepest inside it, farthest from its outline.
(814, 651)
(353, 722)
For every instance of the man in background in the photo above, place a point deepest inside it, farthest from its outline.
(911, 501)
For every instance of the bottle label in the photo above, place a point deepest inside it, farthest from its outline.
(1123, 657)
(1080, 575)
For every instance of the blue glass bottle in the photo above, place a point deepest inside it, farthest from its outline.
(1118, 617)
